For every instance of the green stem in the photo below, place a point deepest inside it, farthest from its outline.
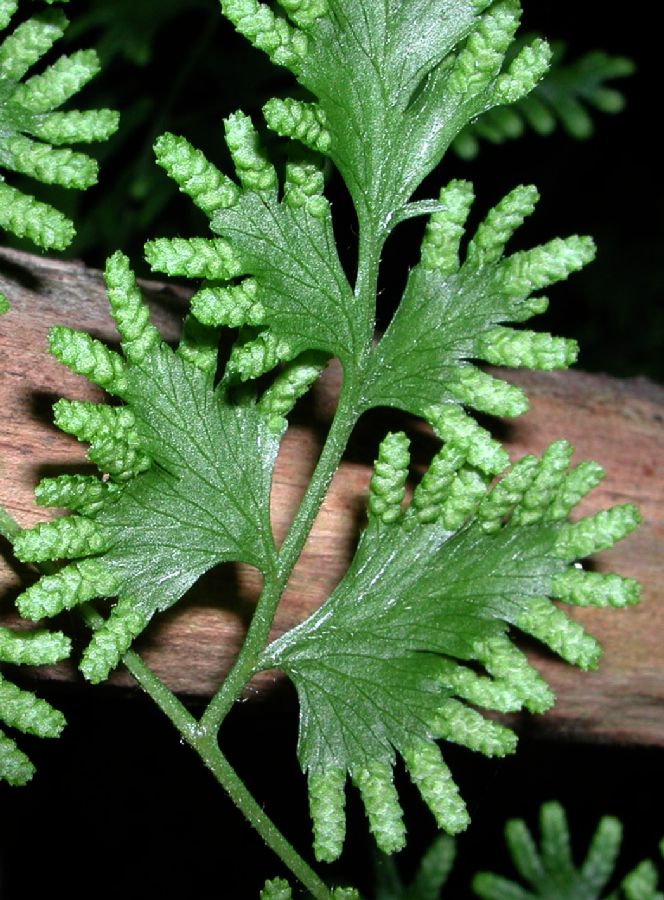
(259, 629)
(208, 750)
(366, 283)
(237, 791)
(205, 745)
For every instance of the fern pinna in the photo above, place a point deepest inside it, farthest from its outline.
(416, 635)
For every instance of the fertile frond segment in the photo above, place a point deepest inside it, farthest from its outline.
(115, 445)
(566, 95)
(194, 174)
(431, 588)
(87, 356)
(273, 266)
(352, 56)
(79, 493)
(388, 484)
(193, 258)
(549, 870)
(291, 383)
(132, 319)
(284, 44)
(167, 509)
(33, 130)
(327, 803)
(454, 312)
(232, 306)
(65, 538)
(29, 218)
(22, 710)
(304, 122)
(276, 889)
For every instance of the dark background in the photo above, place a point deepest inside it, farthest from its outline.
(119, 807)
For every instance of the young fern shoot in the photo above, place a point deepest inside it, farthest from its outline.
(417, 633)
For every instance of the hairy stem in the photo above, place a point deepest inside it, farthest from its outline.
(237, 791)
(208, 750)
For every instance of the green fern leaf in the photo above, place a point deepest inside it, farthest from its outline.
(32, 128)
(283, 250)
(452, 313)
(380, 667)
(189, 485)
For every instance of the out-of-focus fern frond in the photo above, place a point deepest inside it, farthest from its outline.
(549, 869)
(431, 876)
(278, 889)
(127, 28)
(565, 96)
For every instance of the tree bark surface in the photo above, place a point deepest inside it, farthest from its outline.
(620, 423)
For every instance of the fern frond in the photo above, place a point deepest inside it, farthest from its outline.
(434, 88)
(28, 112)
(431, 875)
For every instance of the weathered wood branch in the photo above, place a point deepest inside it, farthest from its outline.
(619, 423)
